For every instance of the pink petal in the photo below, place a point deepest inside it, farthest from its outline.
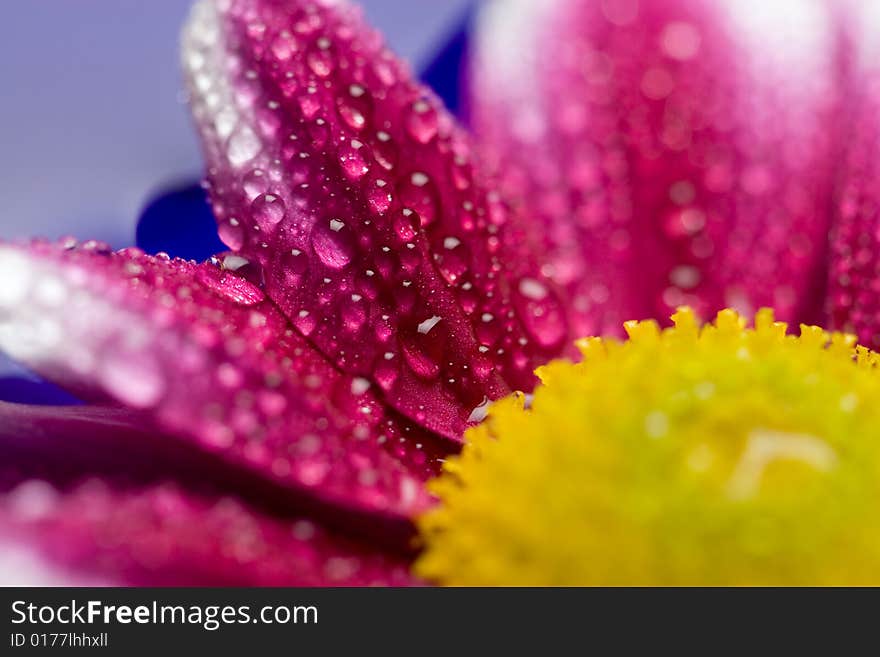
(854, 283)
(355, 189)
(163, 534)
(676, 151)
(205, 357)
(86, 497)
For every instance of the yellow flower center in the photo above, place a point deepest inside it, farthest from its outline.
(694, 455)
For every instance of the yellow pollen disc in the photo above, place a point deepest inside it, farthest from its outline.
(697, 455)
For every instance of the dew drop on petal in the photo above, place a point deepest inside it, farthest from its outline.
(532, 289)
(352, 159)
(268, 211)
(134, 379)
(243, 146)
(231, 234)
(332, 244)
(421, 121)
(379, 196)
(417, 191)
(541, 313)
(254, 183)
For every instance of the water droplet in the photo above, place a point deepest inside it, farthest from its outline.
(680, 40)
(417, 191)
(133, 378)
(268, 211)
(295, 266)
(305, 322)
(359, 385)
(532, 289)
(685, 276)
(453, 261)
(231, 234)
(254, 183)
(230, 286)
(354, 313)
(284, 46)
(406, 225)
(386, 373)
(353, 158)
(384, 150)
(657, 83)
(379, 196)
(682, 192)
(421, 121)
(32, 500)
(321, 59)
(541, 313)
(243, 146)
(332, 244)
(355, 107)
(232, 262)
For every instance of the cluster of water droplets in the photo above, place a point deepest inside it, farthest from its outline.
(198, 346)
(677, 152)
(363, 205)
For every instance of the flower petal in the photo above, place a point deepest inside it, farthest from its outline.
(94, 490)
(678, 152)
(166, 535)
(854, 283)
(200, 351)
(354, 188)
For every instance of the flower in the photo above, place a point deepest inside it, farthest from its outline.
(717, 455)
(271, 416)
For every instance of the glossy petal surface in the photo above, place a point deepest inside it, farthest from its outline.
(357, 192)
(677, 151)
(207, 358)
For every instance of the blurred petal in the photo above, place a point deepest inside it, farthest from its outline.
(201, 352)
(165, 535)
(92, 495)
(179, 222)
(676, 151)
(854, 294)
(355, 189)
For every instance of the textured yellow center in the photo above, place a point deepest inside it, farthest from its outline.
(694, 455)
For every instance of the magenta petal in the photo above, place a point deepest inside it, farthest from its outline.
(677, 151)
(356, 190)
(165, 535)
(201, 352)
(854, 283)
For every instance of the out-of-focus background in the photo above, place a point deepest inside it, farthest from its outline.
(92, 124)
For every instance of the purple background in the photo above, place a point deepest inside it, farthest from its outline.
(91, 122)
